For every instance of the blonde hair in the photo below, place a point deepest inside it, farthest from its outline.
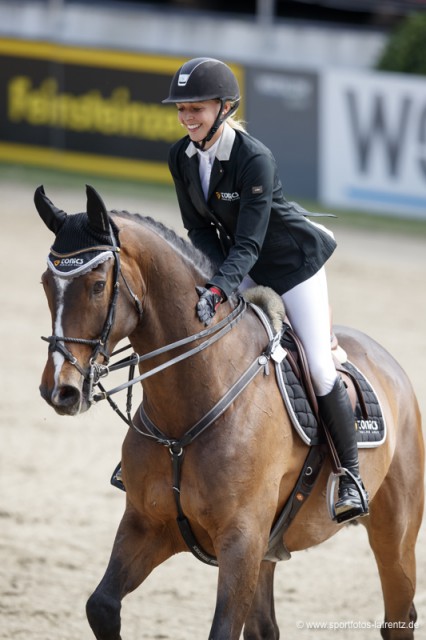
(236, 123)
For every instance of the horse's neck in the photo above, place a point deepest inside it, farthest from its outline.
(169, 308)
(169, 301)
(165, 281)
(179, 395)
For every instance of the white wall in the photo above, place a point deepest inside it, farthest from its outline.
(186, 33)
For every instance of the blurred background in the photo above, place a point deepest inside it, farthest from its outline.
(336, 88)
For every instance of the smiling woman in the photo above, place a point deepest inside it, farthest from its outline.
(208, 89)
(233, 207)
(199, 117)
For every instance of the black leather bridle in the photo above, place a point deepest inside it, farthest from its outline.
(96, 370)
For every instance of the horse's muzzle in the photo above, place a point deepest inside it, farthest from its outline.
(65, 389)
(65, 399)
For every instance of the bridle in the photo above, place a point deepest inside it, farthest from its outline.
(96, 370)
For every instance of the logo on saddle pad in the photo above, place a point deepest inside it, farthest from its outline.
(367, 425)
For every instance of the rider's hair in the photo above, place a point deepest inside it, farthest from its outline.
(236, 123)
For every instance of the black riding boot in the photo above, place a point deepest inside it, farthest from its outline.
(117, 479)
(336, 411)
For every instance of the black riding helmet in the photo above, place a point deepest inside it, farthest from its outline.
(202, 79)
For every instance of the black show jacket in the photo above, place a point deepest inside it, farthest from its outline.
(246, 226)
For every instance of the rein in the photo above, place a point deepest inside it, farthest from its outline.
(213, 334)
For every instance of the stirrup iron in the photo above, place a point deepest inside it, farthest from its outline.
(348, 515)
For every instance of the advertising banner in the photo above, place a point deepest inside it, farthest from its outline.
(282, 111)
(84, 109)
(373, 142)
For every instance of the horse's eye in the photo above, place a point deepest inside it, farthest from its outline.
(99, 286)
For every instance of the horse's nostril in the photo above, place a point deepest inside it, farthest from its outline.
(66, 396)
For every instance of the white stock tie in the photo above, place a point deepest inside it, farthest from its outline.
(206, 162)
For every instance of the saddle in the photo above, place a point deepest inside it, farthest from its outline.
(296, 387)
(295, 383)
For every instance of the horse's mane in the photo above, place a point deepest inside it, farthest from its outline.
(184, 247)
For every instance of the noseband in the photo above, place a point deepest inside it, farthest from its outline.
(96, 370)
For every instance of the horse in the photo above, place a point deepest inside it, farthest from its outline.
(112, 276)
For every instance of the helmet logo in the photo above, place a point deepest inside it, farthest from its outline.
(183, 79)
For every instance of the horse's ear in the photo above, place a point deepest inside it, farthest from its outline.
(96, 211)
(52, 217)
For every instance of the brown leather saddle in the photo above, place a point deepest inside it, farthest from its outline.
(299, 365)
(296, 384)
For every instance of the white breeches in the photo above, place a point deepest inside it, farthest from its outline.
(307, 309)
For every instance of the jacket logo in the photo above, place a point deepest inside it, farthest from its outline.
(258, 189)
(227, 197)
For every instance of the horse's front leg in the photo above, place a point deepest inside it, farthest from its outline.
(137, 550)
(239, 557)
(261, 622)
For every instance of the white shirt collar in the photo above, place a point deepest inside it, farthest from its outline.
(223, 148)
(209, 154)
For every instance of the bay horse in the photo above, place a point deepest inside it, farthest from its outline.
(115, 275)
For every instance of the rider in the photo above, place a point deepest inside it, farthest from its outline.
(234, 210)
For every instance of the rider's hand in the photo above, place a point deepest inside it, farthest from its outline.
(209, 301)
